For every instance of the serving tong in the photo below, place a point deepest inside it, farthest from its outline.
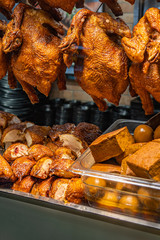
(154, 121)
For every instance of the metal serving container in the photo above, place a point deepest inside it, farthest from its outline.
(130, 196)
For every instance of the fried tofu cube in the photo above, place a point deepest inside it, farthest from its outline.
(111, 144)
(128, 151)
(146, 161)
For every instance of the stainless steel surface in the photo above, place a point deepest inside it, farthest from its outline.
(82, 210)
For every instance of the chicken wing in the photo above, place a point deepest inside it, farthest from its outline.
(42, 188)
(64, 153)
(135, 47)
(60, 168)
(5, 169)
(66, 5)
(24, 185)
(39, 151)
(75, 191)
(106, 78)
(146, 84)
(22, 166)
(14, 151)
(68, 190)
(32, 37)
(42, 168)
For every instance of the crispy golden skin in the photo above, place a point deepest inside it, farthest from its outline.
(37, 61)
(64, 153)
(67, 190)
(114, 6)
(135, 47)
(22, 166)
(42, 188)
(38, 151)
(75, 191)
(66, 5)
(144, 50)
(5, 169)
(3, 62)
(106, 78)
(7, 4)
(6, 7)
(24, 185)
(146, 84)
(60, 168)
(15, 150)
(53, 146)
(42, 168)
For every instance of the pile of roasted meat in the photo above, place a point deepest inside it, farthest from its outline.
(107, 57)
(36, 159)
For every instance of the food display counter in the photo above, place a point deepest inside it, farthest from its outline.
(40, 196)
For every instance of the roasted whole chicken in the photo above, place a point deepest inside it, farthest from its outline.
(32, 38)
(145, 84)
(143, 49)
(101, 64)
(67, 190)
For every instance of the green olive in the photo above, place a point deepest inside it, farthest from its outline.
(143, 133)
